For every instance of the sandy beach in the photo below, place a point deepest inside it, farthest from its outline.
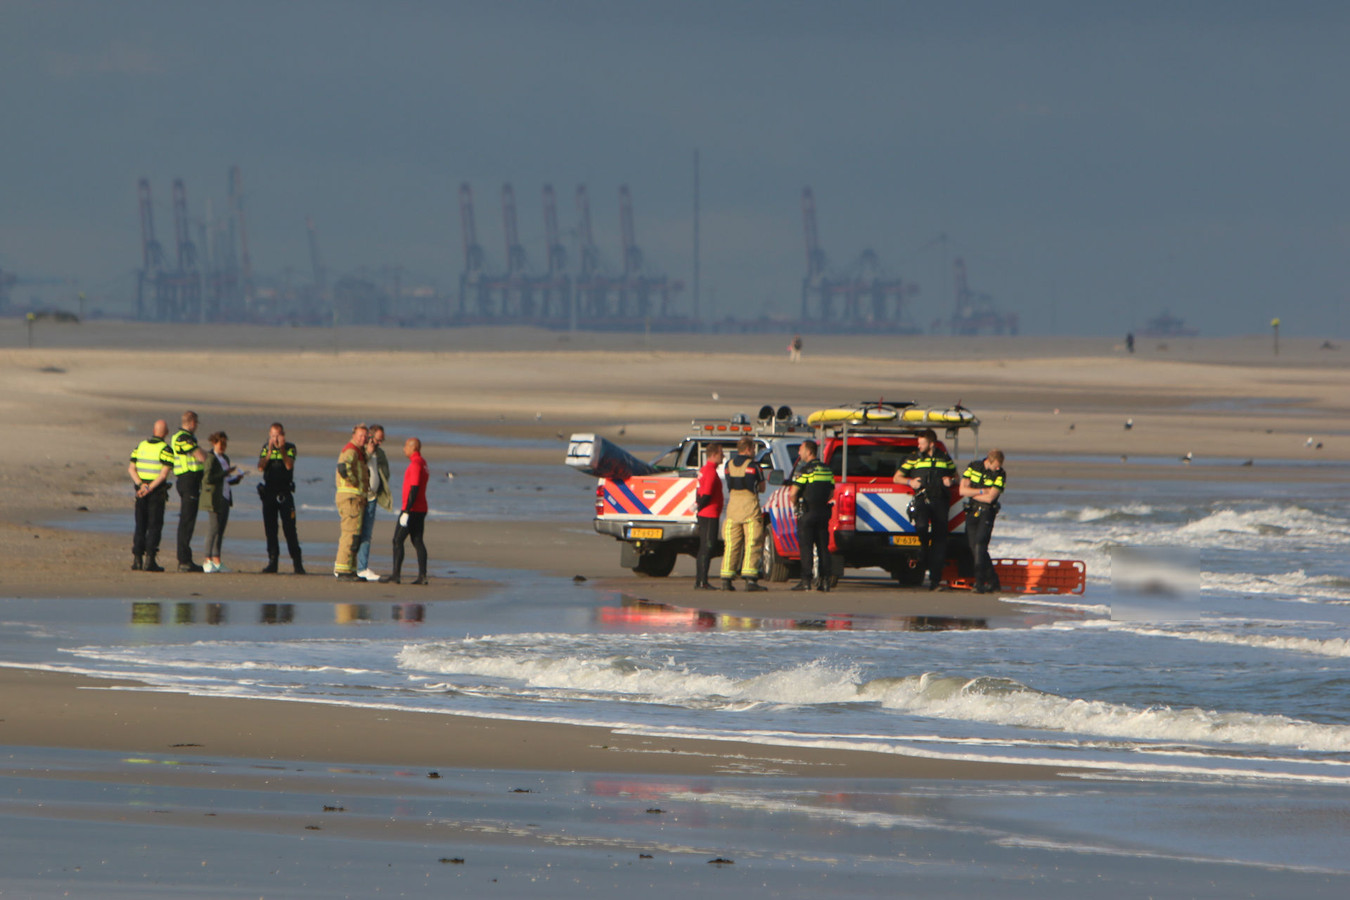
(79, 400)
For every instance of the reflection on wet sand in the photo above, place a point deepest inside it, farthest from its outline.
(640, 613)
(150, 612)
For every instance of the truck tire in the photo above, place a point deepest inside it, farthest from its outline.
(775, 567)
(658, 562)
(907, 575)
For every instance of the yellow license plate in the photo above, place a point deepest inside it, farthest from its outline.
(647, 534)
(905, 540)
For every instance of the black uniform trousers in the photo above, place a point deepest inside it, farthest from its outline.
(979, 529)
(189, 496)
(708, 535)
(930, 522)
(149, 521)
(813, 538)
(279, 505)
(413, 530)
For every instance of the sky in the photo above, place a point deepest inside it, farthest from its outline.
(1094, 164)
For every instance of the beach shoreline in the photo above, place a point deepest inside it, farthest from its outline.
(495, 406)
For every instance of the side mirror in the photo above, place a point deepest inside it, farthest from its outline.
(775, 477)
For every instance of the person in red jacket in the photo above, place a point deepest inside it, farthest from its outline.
(708, 498)
(413, 514)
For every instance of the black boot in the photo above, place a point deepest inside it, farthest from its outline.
(802, 585)
(752, 584)
(299, 569)
(271, 567)
(151, 565)
(421, 578)
(137, 564)
(727, 585)
(823, 585)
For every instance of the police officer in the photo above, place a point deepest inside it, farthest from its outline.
(982, 483)
(744, 530)
(930, 473)
(812, 487)
(150, 467)
(189, 466)
(276, 462)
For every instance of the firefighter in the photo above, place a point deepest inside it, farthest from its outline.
(150, 467)
(708, 499)
(276, 462)
(982, 483)
(744, 532)
(930, 473)
(810, 492)
(189, 466)
(352, 481)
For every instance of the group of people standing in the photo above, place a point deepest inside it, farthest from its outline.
(206, 479)
(362, 481)
(929, 472)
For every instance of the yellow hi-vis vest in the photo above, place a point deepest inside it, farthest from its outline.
(184, 461)
(151, 455)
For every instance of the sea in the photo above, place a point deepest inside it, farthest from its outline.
(1198, 687)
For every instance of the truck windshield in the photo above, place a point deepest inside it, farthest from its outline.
(869, 460)
(670, 460)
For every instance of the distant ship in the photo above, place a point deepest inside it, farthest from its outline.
(1167, 325)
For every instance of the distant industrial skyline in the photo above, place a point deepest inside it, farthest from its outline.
(1093, 166)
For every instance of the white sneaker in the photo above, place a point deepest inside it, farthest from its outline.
(368, 575)
(217, 567)
(208, 566)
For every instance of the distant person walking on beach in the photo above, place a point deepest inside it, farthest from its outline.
(795, 348)
(930, 472)
(352, 479)
(982, 483)
(412, 515)
(217, 498)
(150, 467)
(377, 494)
(744, 531)
(188, 468)
(1129, 341)
(276, 462)
(708, 499)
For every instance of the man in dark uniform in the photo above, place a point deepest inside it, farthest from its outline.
(930, 473)
(810, 492)
(982, 483)
(276, 462)
(150, 467)
(189, 467)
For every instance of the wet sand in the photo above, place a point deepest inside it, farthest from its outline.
(79, 401)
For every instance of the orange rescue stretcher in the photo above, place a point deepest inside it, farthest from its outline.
(1029, 576)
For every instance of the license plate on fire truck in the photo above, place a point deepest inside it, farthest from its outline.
(647, 534)
(901, 540)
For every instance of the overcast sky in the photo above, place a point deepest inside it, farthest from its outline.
(1094, 163)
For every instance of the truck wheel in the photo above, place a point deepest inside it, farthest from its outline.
(775, 567)
(907, 575)
(657, 563)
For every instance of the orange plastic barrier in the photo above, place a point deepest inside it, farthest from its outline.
(1030, 576)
